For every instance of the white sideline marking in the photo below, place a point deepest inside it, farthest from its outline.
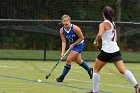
(23, 68)
(12, 88)
(17, 83)
(120, 86)
(7, 66)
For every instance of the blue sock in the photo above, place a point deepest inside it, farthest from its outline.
(66, 69)
(85, 65)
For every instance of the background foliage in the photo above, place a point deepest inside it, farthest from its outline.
(125, 10)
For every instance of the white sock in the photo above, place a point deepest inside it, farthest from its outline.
(130, 77)
(96, 81)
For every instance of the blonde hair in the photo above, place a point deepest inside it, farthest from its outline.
(65, 16)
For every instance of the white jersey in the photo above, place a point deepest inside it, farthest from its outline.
(109, 38)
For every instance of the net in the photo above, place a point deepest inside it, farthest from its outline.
(39, 39)
(30, 37)
(78, 10)
(29, 29)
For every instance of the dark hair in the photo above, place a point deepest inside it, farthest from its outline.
(108, 13)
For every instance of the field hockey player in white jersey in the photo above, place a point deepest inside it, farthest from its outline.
(110, 52)
(73, 34)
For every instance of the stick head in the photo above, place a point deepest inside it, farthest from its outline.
(47, 77)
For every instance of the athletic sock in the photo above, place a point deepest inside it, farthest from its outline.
(96, 81)
(85, 65)
(66, 69)
(130, 77)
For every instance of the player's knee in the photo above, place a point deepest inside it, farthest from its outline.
(68, 61)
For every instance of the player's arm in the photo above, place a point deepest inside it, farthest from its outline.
(79, 33)
(99, 35)
(63, 42)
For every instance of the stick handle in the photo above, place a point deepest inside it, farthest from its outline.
(65, 54)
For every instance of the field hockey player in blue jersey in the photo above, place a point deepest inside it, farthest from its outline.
(73, 34)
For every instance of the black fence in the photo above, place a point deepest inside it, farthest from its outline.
(39, 39)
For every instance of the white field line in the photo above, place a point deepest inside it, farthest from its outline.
(11, 88)
(20, 84)
(4, 66)
(7, 66)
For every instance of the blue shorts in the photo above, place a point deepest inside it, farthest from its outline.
(78, 48)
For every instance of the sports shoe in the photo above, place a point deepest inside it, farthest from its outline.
(137, 88)
(91, 91)
(60, 79)
(90, 73)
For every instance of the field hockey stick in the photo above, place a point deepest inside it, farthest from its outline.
(57, 64)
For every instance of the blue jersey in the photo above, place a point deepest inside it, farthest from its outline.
(73, 37)
(70, 35)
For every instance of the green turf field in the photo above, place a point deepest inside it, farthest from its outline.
(21, 77)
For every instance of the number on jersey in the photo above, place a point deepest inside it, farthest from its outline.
(114, 35)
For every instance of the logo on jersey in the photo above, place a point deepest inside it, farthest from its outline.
(70, 37)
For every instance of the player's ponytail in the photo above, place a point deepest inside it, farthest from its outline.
(111, 20)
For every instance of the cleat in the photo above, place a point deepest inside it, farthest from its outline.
(91, 91)
(60, 79)
(90, 73)
(137, 88)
